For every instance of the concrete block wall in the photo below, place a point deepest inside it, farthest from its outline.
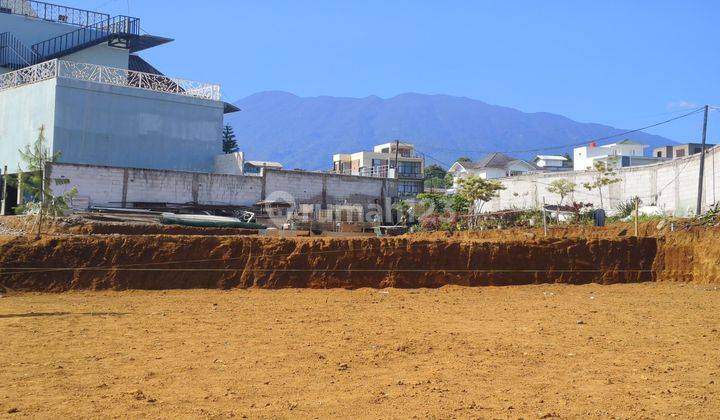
(671, 185)
(329, 189)
(114, 186)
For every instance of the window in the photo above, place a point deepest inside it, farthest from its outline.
(409, 169)
(659, 154)
(408, 188)
(697, 150)
(251, 169)
(515, 173)
(679, 152)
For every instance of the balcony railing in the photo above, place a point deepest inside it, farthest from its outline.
(382, 171)
(116, 30)
(13, 53)
(52, 12)
(108, 76)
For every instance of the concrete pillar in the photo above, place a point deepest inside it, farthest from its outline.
(195, 188)
(264, 182)
(3, 203)
(324, 191)
(20, 199)
(125, 187)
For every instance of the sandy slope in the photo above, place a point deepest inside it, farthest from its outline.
(626, 350)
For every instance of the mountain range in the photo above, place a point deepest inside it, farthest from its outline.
(305, 132)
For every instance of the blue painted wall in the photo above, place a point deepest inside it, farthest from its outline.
(117, 126)
(23, 110)
(98, 124)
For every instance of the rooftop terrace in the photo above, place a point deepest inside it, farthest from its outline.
(108, 76)
(52, 12)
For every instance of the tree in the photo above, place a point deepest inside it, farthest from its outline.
(435, 176)
(228, 140)
(474, 188)
(604, 175)
(434, 171)
(36, 183)
(436, 201)
(567, 156)
(464, 159)
(449, 180)
(459, 204)
(563, 188)
(404, 212)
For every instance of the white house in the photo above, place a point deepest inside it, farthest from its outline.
(494, 165)
(552, 162)
(621, 154)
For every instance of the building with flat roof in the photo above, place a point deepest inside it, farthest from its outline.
(553, 163)
(679, 150)
(380, 163)
(78, 74)
(621, 154)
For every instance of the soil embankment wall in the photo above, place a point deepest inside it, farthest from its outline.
(167, 262)
(692, 255)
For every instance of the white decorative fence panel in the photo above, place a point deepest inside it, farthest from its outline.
(109, 76)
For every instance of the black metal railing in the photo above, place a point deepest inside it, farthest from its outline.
(52, 12)
(13, 53)
(117, 27)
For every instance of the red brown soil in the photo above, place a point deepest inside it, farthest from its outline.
(168, 262)
(76, 262)
(80, 226)
(647, 350)
(614, 230)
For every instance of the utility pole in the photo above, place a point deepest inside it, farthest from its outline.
(698, 211)
(397, 150)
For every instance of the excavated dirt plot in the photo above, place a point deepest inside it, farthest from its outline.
(74, 262)
(641, 350)
(644, 350)
(168, 262)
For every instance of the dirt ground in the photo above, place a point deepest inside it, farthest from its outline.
(649, 350)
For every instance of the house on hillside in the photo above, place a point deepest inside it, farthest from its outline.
(494, 165)
(380, 163)
(553, 163)
(621, 154)
(78, 74)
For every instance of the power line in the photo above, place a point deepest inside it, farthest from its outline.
(333, 270)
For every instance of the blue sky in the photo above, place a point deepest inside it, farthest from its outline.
(622, 63)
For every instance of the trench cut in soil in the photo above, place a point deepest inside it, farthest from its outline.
(183, 262)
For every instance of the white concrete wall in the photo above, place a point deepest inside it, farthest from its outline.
(305, 187)
(111, 186)
(672, 185)
(229, 163)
